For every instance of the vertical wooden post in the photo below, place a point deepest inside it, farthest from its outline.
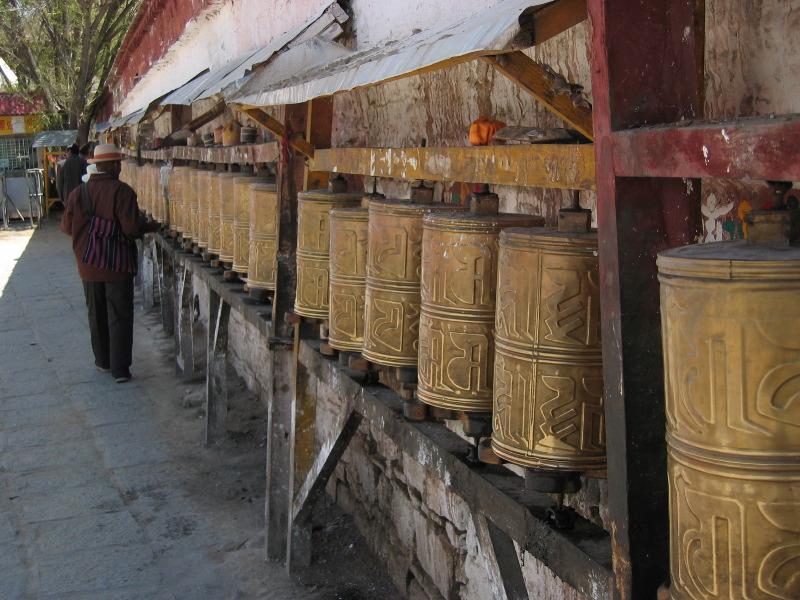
(644, 67)
(217, 367)
(167, 303)
(279, 411)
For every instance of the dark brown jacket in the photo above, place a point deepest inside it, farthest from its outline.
(111, 199)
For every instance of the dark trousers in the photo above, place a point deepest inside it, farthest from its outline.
(110, 305)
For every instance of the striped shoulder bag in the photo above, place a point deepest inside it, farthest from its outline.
(108, 247)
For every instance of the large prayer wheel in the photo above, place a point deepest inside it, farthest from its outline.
(548, 380)
(731, 337)
(313, 246)
(214, 210)
(263, 255)
(227, 212)
(456, 329)
(202, 190)
(392, 299)
(191, 205)
(241, 221)
(178, 181)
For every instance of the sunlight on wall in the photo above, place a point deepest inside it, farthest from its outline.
(12, 244)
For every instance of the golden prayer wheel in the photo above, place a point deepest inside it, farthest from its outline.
(313, 246)
(731, 337)
(263, 253)
(190, 205)
(456, 329)
(141, 188)
(156, 198)
(177, 196)
(348, 271)
(214, 209)
(202, 189)
(227, 211)
(392, 298)
(548, 379)
(241, 221)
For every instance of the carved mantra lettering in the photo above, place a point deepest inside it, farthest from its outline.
(571, 308)
(345, 310)
(390, 256)
(469, 276)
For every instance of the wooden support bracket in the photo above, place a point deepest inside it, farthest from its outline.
(275, 126)
(499, 549)
(557, 17)
(536, 80)
(217, 368)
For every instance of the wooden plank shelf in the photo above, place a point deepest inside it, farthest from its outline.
(244, 154)
(566, 166)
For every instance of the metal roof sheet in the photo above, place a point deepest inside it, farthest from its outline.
(56, 138)
(492, 30)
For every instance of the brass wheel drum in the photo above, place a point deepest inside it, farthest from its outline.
(144, 188)
(178, 181)
(548, 381)
(263, 253)
(313, 247)
(456, 327)
(392, 298)
(191, 205)
(348, 271)
(227, 212)
(157, 195)
(202, 189)
(731, 336)
(241, 221)
(214, 210)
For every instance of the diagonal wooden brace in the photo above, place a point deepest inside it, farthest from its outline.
(275, 126)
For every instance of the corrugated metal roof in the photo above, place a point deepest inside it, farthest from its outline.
(187, 93)
(491, 30)
(57, 138)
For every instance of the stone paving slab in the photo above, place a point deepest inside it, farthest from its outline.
(106, 492)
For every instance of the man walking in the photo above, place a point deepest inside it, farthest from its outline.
(103, 218)
(70, 173)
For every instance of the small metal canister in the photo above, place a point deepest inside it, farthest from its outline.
(214, 209)
(177, 194)
(241, 221)
(456, 330)
(731, 337)
(392, 299)
(548, 378)
(202, 189)
(190, 205)
(227, 212)
(263, 254)
(313, 246)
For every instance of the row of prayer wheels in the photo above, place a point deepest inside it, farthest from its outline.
(499, 314)
(731, 338)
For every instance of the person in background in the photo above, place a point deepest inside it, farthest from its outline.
(102, 216)
(70, 173)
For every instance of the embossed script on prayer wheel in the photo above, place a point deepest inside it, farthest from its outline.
(731, 336)
(202, 189)
(263, 254)
(348, 271)
(214, 209)
(313, 246)
(459, 276)
(156, 197)
(190, 205)
(227, 211)
(392, 299)
(548, 379)
(241, 221)
(178, 180)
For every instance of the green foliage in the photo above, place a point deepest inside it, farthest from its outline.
(63, 50)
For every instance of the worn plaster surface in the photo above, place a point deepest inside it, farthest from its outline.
(105, 490)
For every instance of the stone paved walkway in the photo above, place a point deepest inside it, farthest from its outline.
(105, 490)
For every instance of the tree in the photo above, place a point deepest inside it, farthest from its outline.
(63, 50)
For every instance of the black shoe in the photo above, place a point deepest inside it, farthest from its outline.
(101, 368)
(123, 377)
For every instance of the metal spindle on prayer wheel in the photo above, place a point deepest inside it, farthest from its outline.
(203, 187)
(214, 210)
(548, 410)
(227, 212)
(313, 245)
(263, 252)
(459, 277)
(731, 339)
(241, 222)
(392, 298)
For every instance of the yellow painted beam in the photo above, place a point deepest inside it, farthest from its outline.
(547, 165)
(533, 78)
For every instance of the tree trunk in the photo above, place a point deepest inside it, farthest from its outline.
(83, 132)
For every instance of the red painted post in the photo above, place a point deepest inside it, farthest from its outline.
(644, 71)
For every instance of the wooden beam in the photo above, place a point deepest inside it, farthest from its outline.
(275, 126)
(535, 79)
(754, 148)
(566, 166)
(556, 18)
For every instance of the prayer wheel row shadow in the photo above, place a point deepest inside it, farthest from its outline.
(427, 285)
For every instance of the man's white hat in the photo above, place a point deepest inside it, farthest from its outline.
(105, 153)
(90, 170)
